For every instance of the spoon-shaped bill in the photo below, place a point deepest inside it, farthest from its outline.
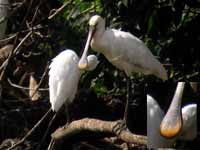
(169, 128)
(172, 123)
(83, 63)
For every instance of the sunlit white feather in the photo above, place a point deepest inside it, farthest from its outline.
(64, 76)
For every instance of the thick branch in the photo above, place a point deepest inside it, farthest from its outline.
(95, 125)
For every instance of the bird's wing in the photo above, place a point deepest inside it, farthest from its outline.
(133, 52)
(63, 78)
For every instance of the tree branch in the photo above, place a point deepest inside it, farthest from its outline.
(95, 125)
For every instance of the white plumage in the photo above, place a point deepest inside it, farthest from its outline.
(64, 76)
(122, 49)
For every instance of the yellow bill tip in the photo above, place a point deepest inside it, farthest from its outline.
(170, 131)
(82, 66)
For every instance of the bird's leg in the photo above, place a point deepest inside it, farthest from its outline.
(67, 113)
(122, 124)
(49, 126)
(127, 98)
(46, 132)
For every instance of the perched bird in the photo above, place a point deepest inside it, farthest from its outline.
(64, 76)
(154, 117)
(123, 50)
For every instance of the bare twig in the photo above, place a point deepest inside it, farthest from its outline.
(86, 11)
(12, 36)
(51, 145)
(22, 41)
(42, 79)
(59, 9)
(95, 125)
(6, 62)
(47, 131)
(31, 131)
(25, 88)
(7, 39)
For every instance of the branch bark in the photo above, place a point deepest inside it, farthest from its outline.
(95, 125)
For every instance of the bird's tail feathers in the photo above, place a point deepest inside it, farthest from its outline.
(162, 73)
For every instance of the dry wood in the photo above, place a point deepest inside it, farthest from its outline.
(95, 125)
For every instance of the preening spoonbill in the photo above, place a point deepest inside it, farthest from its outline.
(122, 49)
(64, 76)
(172, 122)
(154, 117)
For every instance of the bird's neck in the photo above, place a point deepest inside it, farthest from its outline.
(176, 102)
(98, 41)
(100, 29)
(99, 33)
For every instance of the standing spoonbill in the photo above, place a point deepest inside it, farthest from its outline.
(122, 49)
(154, 117)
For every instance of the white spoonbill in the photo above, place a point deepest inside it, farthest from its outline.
(154, 117)
(64, 76)
(122, 49)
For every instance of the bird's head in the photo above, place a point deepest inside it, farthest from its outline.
(92, 62)
(96, 23)
(94, 20)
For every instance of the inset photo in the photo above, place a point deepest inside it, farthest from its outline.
(172, 115)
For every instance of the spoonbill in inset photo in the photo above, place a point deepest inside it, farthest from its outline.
(183, 122)
(125, 51)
